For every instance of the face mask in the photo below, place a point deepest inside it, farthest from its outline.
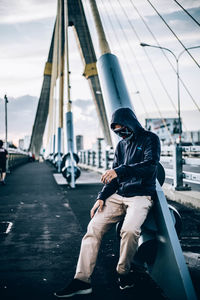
(123, 132)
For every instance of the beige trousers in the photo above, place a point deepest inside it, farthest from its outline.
(134, 210)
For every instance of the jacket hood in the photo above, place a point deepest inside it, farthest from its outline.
(126, 117)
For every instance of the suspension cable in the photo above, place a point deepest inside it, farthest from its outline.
(150, 60)
(132, 76)
(143, 76)
(173, 33)
(187, 13)
(148, 57)
(164, 53)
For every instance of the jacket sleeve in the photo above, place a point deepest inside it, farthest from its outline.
(146, 167)
(110, 188)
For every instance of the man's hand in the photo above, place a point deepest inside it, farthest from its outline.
(98, 203)
(108, 176)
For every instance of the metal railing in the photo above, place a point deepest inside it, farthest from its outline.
(16, 158)
(173, 159)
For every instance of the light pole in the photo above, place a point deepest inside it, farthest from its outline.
(177, 57)
(6, 122)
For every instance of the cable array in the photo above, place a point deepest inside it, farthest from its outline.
(164, 53)
(185, 10)
(173, 32)
(130, 71)
(117, 21)
(140, 70)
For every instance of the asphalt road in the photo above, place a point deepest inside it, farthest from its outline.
(39, 254)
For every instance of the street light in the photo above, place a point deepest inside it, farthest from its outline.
(178, 81)
(6, 122)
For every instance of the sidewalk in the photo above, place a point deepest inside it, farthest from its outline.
(39, 254)
(189, 198)
(36, 256)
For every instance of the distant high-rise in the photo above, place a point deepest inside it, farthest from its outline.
(21, 144)
(79, 142)
(24, 143)
(27, 140)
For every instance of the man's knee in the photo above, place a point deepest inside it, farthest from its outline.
(133, 233)
(94, 230)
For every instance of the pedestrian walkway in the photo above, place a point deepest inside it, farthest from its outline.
(39, 254)
(36, 256)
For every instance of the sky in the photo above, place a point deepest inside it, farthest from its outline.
(25, 33)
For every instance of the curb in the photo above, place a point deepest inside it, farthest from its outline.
(190, 198)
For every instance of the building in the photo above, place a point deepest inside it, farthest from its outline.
(21, 144)
(168, 131)
(27, 140)
(24, 143)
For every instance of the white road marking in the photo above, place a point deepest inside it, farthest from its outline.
(59, 179)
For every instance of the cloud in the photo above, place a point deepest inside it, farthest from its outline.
(23, 53)
(25, 32)
(12, 12)
(164, 7)
(83, 104)
(21, 115)
(86, 121)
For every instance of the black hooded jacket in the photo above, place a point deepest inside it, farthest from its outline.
(135, 160)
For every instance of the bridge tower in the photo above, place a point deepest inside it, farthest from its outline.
(76, 19)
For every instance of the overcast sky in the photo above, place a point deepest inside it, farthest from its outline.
(25, 32)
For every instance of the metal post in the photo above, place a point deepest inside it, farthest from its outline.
(81, 156)
(99, 153)
(93, 158)
(6, 121)
(84, 157)
(61, 80)
(72, 170)
(177, 284)
(179, 105)
(69, 116)
(54, 143)
(88, 157)
(170, 270)
(178, 169)
(107, 160)
(59, 149)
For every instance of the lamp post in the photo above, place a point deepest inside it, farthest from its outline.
(177, 57)
(6, 122)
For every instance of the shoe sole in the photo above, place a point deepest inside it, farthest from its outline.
(126, 287)
(81, 292)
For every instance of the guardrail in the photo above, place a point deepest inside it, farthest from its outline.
(173, 159)
(16, 158)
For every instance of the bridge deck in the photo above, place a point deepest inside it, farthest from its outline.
(39, 254)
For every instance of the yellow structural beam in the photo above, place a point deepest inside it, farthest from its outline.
(48, 68)
(90, 70)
